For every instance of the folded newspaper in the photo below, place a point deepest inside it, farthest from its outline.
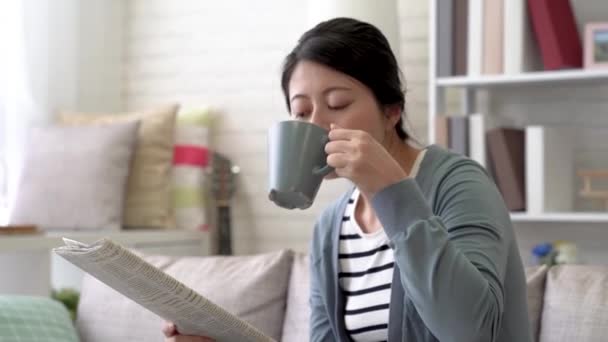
(158, 292)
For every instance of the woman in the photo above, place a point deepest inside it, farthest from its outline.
(422, 249)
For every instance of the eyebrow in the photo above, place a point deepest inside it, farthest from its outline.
(328, 90)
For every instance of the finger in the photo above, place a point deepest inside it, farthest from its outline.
(337, 160)
(339, 146)
(169, 329)
(342, 134)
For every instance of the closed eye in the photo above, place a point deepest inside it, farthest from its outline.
(338, 107)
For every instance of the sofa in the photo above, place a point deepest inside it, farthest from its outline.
(566, 302)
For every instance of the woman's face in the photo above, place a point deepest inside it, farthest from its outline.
(324, 96)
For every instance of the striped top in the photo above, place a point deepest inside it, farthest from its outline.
(366, 273)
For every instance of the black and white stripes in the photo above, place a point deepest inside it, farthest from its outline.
(366, 272)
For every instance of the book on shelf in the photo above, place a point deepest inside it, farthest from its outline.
(441, 131)
(489, 37)
(475, 38)
(477, 138)
(462, 134)
(458, 134)
(520, 50)
(506, 152)
(140, 281)
(493, 37)
(549, 169)
(445, 44)
(459, 37)
(556, 32)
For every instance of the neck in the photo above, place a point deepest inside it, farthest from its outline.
(401, 151)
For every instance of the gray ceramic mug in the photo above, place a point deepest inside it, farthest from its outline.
(296, 163)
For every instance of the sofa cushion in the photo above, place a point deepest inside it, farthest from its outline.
(297, 315)
(30, 319)
(251, 287)
(148, 198)
(75, 177)
(576, 304)
(535, 281)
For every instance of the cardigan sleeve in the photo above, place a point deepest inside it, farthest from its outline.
(320, 325)
(451, 262)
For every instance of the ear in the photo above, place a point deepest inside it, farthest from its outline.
(392, 114)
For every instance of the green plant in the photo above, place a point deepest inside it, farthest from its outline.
(69, 298)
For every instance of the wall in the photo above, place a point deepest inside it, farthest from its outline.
(74, 53)
(227, 54)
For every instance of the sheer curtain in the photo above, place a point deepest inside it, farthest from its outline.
(17, 106)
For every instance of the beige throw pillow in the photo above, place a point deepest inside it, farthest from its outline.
(252, 287)
(297, 314)
(576, 304)
(148, 201)
(535, 286)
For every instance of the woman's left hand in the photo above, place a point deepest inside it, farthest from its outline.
(357, 156)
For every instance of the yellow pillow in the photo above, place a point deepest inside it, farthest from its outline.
(148, 195)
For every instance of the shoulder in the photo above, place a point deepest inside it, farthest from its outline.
(457, 182)
(445, 163)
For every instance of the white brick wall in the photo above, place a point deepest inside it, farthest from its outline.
(228, 54)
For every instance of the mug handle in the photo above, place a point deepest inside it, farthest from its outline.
(323, 170)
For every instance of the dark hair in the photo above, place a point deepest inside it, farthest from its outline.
(357, 49)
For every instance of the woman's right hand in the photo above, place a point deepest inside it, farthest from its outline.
(171, 334)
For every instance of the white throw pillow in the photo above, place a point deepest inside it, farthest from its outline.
(74, 178)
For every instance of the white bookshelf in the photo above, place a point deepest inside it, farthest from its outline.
(471, 86)
(571, 77)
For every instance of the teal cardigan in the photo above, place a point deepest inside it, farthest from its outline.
(458, 273)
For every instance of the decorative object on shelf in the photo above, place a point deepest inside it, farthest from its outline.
(587, 192)
(596, 45)
(555, 253)
(223, 186)
(19, 230)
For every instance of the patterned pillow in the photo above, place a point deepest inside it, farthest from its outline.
(30, 319)
(191, 158)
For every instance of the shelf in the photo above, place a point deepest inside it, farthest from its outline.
(579, 76)
(47, 241)
(586, 217)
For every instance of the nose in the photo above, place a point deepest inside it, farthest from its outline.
(319, 118)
